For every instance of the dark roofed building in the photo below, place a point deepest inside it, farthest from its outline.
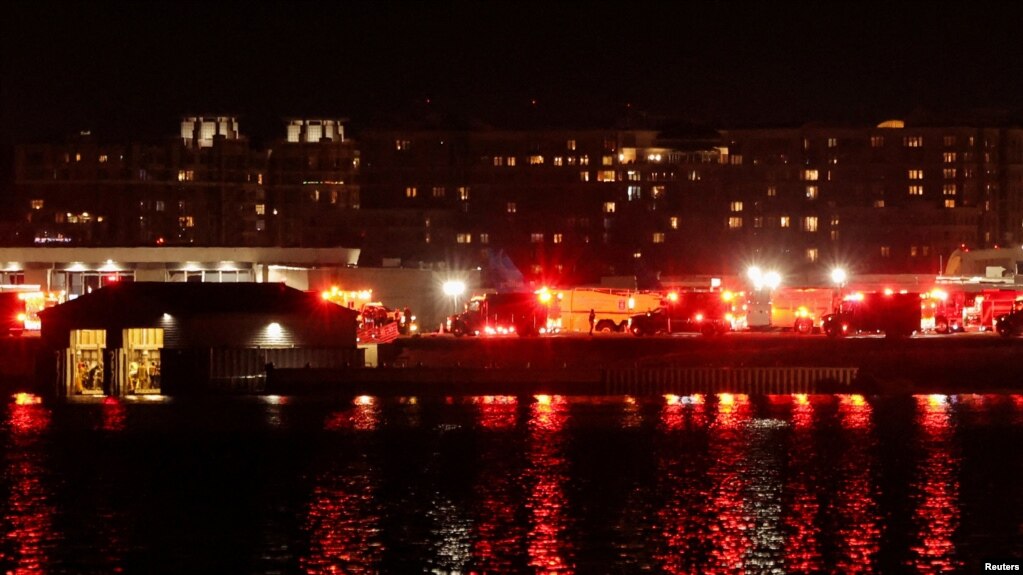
(178, 338)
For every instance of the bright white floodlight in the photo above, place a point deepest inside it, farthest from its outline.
(453, 288)
(838, 276)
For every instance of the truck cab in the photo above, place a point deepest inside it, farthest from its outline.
(896, 315)
(501, 314)
(697, 312)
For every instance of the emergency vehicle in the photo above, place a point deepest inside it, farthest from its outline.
(801, 309)
(522, 313)
(707, 312)
(12, 314)
(570, 309)
(894, 314)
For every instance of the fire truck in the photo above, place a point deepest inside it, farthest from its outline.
(894, 314)
(709, 313)
(12, 314)
(1010, 324)
(522, 313)
(570, 309)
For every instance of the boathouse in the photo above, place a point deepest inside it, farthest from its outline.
(136, 338)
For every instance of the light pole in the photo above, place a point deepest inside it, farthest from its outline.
(838, 277)
(454, 288)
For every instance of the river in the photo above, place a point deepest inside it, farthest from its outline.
(546, 484)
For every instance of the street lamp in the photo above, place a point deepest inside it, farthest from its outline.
(454, 288)
(838, 277)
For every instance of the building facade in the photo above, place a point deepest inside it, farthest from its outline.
(546, 206)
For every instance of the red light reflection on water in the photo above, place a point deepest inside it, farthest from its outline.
(683, 412)
(497, 412)
(28, 513)
(936, 484)
(802, 546)
(343, 524)
(855, 498)
(363, 415)
(547, 474)
(732, 524)
(113, 414)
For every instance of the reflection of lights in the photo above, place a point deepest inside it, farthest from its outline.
(936, 490)
(726, 398)
(26, 399)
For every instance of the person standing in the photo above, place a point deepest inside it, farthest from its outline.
(593, 317)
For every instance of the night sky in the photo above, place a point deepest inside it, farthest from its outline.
(130, 70)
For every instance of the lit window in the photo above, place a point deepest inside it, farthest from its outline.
(877, 141)
(558, 161)
(160, 205)
(832, 142)
(260, 209)
(463, 193)
(427, 238)
(785, 222)
(78, 157)
(949, 173)
(535, 160)
(633, 176)
(411, 192)
(186, 222)
(259, 179)
(758, 222)
(916, 190)
(949, 141)
(498, 161)
(510, 207)
(811, 255)
(912, 251)
(878, 203)
(571, 145)
(949, 157)
(571, 160)
(948, 190)
(657, 192)
(438, 191)
(584, 160)
(557, 238)
(834, 221)
(886, 251)
(103, 158)
(464, 238)
(511, 161)
(735, 206)
(734, 223)
(632, 193)
(260, 225)
(810, 175)
(693, 176)
(834, 235)
(916, 174)
(609, 207)
(637, 255)
(658, 238)
(673, 222)
(810, 224)
(484, 238)
(37, 204)
(913, 141)
(607, 160)
(606, 176)
(950, 203)
(186, 175)
(772, 191)
(402, 145)
(812, 192)
(536, 238)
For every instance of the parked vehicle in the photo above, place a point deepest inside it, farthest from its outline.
(701, 312)
(1011, 323)
(570, 309)
(501, 314)
(12, 313)
(894, 314)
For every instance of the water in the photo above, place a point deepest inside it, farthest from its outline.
(696, 484)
